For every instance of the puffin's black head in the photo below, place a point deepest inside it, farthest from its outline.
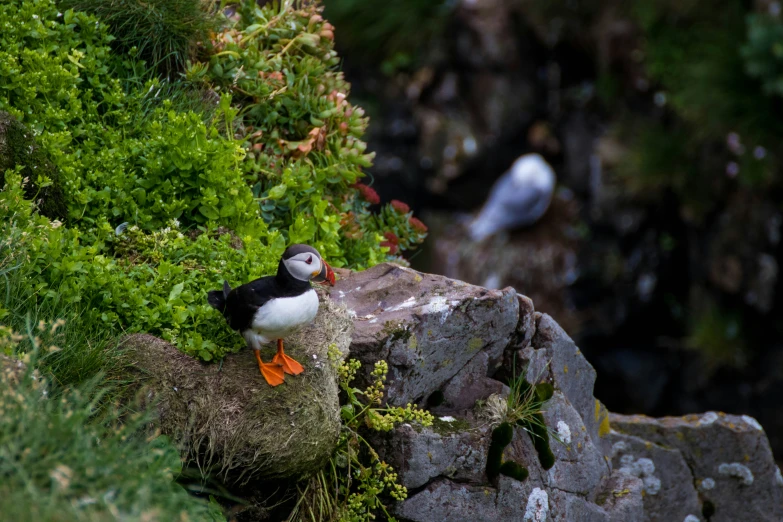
(304, 263)
(217, 298)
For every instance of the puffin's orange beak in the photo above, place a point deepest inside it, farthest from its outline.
(326, 275)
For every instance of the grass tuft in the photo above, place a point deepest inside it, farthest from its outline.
(163, 33)
(72, 454)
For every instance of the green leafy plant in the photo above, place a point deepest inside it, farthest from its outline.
(304, 146)
(65, 454)
(354, 483)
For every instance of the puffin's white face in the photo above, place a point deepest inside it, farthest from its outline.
(304, 266)
(533, 170)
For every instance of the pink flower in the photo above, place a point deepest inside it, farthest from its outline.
(400, 207)
(417, 225)
(367, 193)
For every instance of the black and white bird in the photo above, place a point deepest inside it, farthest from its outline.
(519, 197)
(272, 307)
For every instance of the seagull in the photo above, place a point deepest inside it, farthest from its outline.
(519, 198)
(272, 307)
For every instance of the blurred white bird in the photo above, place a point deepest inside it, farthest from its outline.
(519, 198)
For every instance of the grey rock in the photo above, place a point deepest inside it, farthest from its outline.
(621, 497)
(440, 334)
(526, 328)
(456, 450)
(472, 383)
(675, 496)
(574, 376)
(448, 501)
(729, 458)
(580, 466)
(427, 327)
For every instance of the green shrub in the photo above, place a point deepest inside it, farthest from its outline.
(304, 144)
(210, 195)
(156, 284)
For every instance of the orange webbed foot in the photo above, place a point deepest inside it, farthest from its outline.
(272, 372)
(289, 365)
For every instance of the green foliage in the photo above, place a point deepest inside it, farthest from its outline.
(305, 151)
(156, 283)
(352, 486)
(212, 190)
(55, 77)
(693, 51)
(523, 407)
(161, 32)
(65, 456)
(763, 52)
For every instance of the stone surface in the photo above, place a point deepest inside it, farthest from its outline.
(456, 450)
(621, 497)
(574, 376)
(729, 458)
(426, 327)
(667, 481)
(471, 383)
(606, 469)
(230, 420)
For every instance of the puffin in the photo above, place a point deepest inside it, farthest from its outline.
(518, 199)
(272, 307)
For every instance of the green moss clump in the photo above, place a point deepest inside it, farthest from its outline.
(501, 437)
(539, 435)
(544, 391)
(514, 470)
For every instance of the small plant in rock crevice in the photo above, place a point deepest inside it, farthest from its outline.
(523, 407)
(354, 484)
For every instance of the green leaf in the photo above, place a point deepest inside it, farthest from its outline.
(278, 191)
(209, 212)
(176, 291)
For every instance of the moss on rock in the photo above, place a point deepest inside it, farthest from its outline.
(226, 416)
(17, 147)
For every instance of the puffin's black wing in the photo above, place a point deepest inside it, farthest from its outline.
(243, 301)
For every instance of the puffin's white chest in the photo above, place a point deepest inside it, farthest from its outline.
(281, 316)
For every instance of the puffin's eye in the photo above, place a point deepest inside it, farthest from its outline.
(309, 260)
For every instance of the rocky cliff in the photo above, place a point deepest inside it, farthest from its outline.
(458, 349)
